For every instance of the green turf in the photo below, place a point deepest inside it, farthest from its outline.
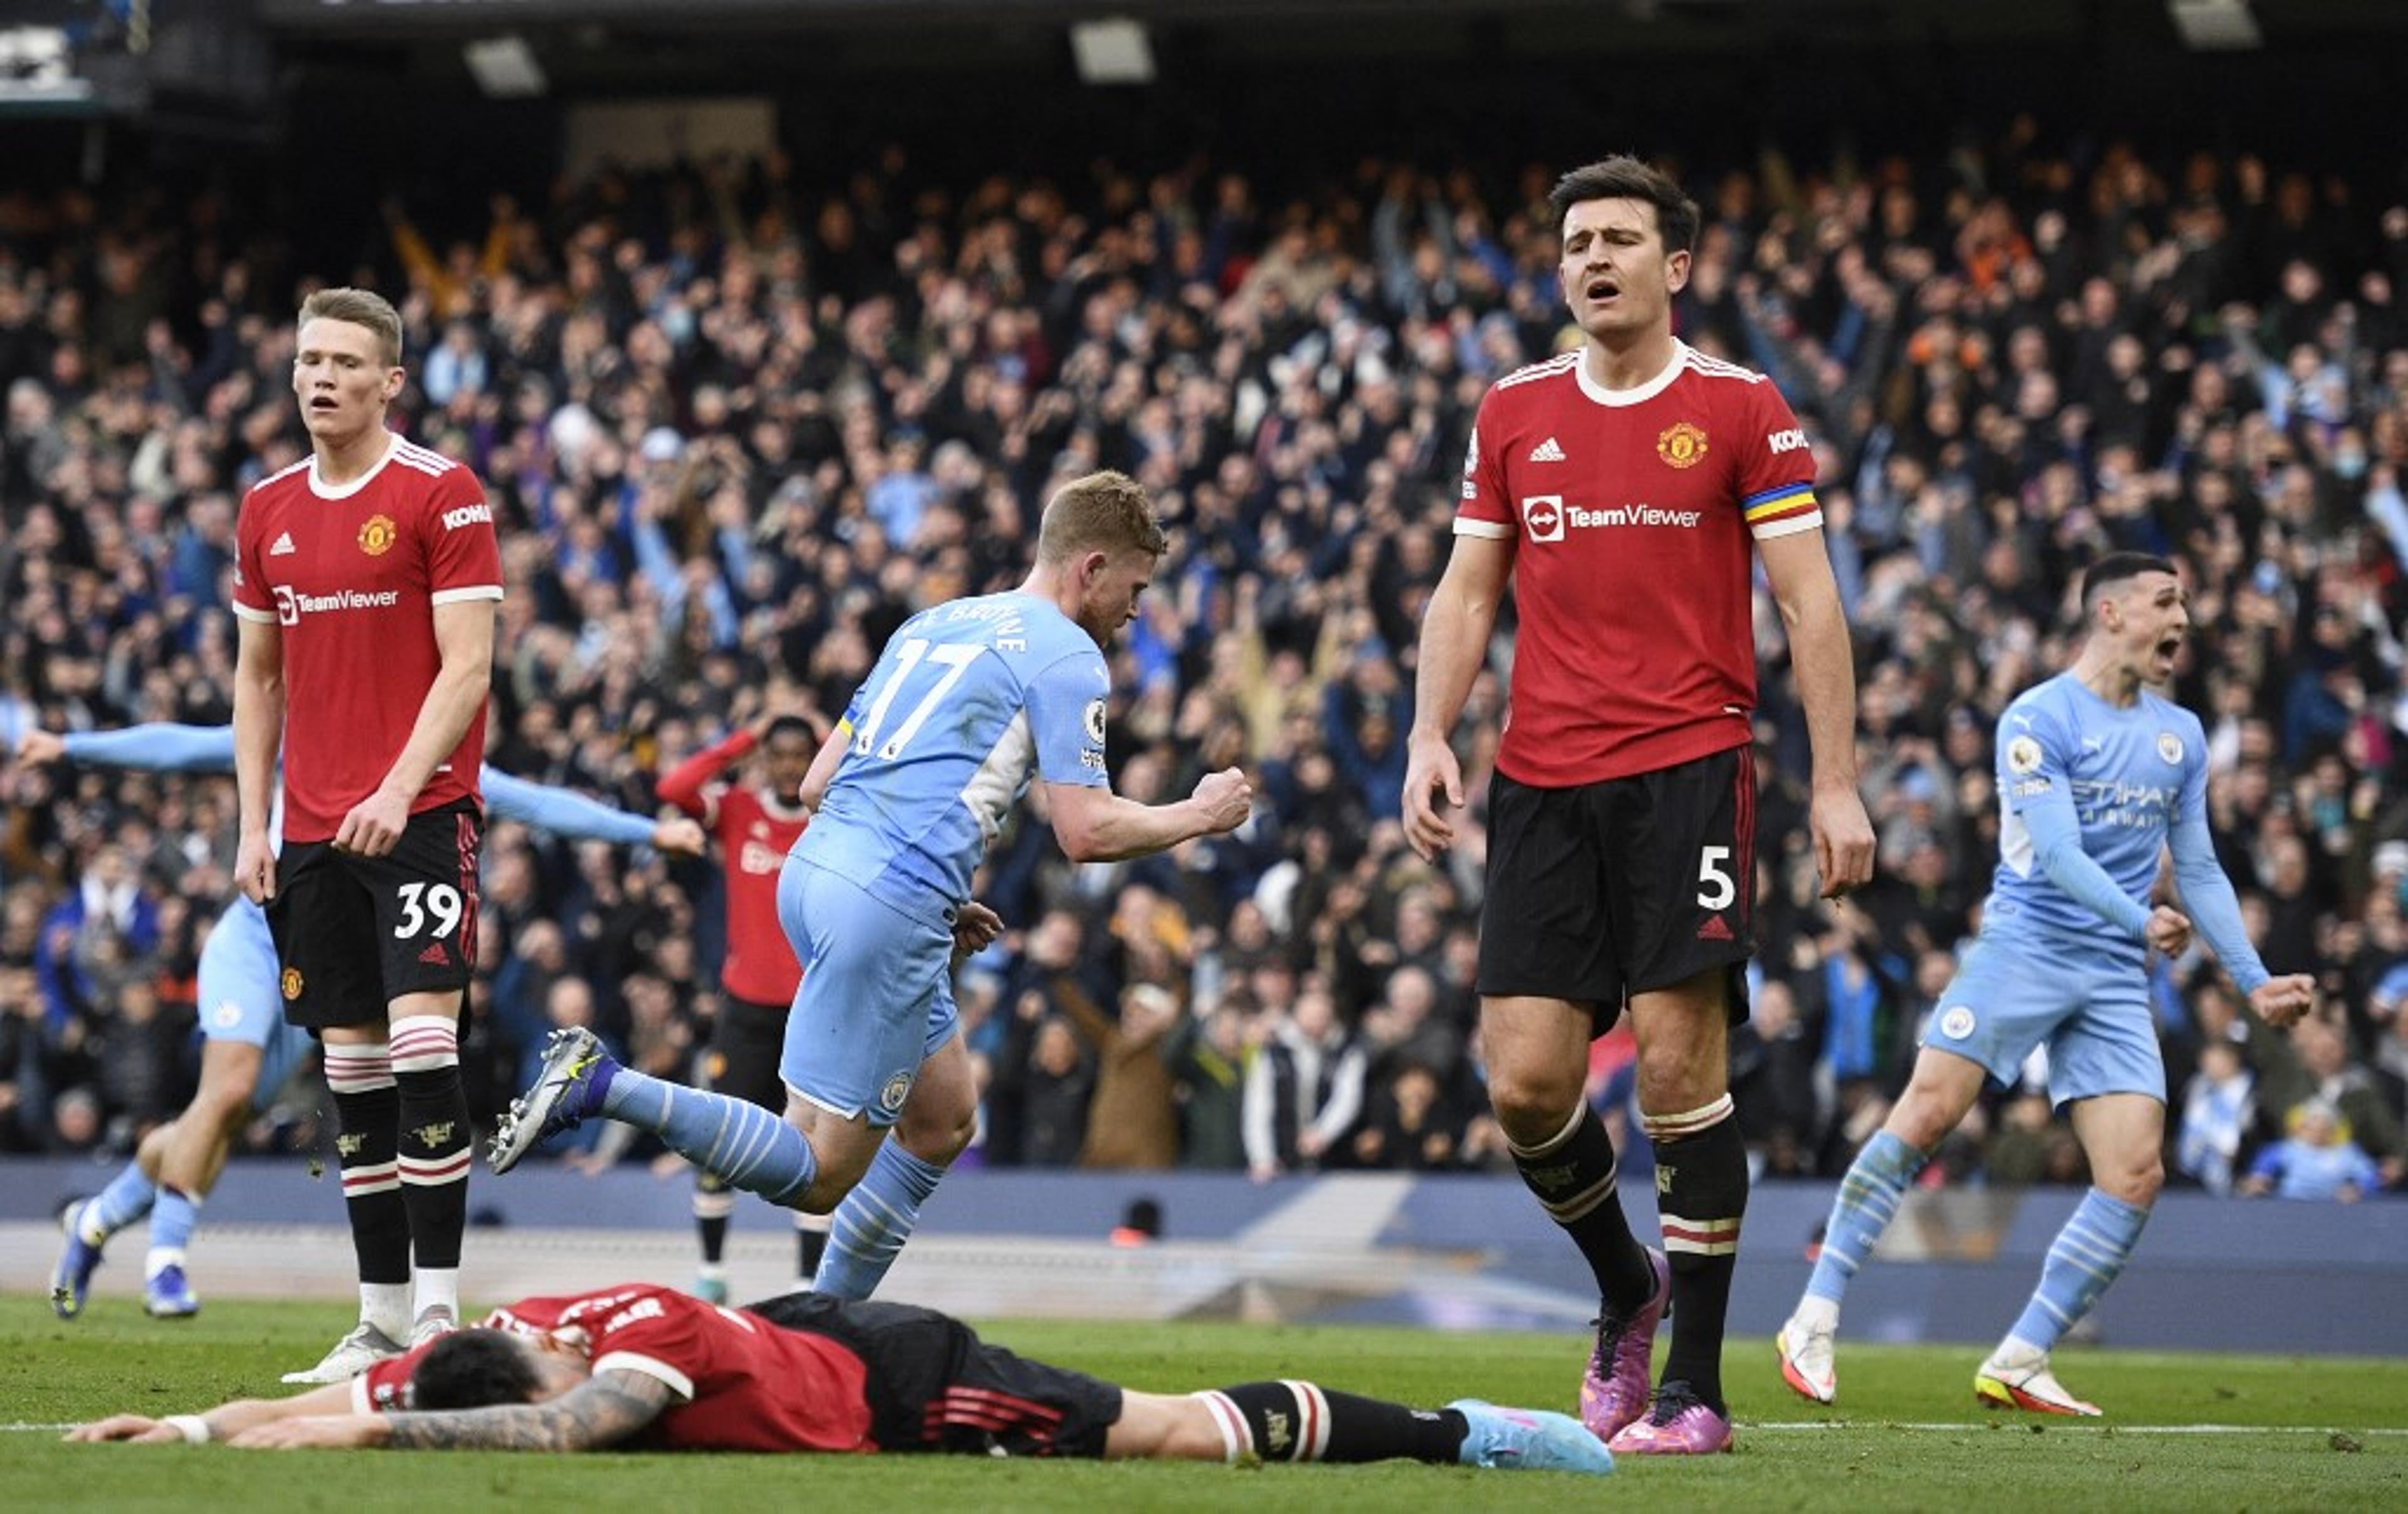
(115, 1360)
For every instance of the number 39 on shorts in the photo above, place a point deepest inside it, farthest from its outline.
(423, 902)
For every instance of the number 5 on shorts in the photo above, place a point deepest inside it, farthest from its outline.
(1715, 887)
(442, 898)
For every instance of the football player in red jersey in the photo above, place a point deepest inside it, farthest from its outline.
(1624, 488)
(758, 824)
(366, 585)
(648, 1367)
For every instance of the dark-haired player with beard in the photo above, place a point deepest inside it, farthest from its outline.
(644, 1367)
(1627, 489)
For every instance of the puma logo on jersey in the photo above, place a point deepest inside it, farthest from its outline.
(284, 546)
(1549, 451)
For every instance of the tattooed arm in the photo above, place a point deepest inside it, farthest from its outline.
(602, 1411)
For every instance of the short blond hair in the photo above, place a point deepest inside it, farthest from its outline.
(1103, 512)
(359, 308)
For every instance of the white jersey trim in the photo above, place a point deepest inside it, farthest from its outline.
(452, 596)
(258, 617)
(1536, 371)
(325, 490)
(1620, 398)
(1714, 367)
(287, 471)
(651, 1366)
(425, 457)
(1812, 520)
(1488, 530)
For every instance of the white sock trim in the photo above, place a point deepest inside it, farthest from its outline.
(1553, 1143)
(1237, 1444)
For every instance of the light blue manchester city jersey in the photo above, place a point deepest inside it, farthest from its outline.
(967, 701)
(2128, 775)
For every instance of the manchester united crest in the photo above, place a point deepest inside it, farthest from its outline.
(377, 536)
(292, 984)
(1681, 445)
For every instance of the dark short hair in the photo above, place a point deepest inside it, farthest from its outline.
(1625, 178)
(471, 1369)
(2117, 568)
(789, 725)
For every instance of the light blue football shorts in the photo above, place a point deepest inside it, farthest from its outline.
(241, 999)
(2011, 995)
(877, 997)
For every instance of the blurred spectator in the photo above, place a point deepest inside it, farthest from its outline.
(1060, 1082)
(2219, 1110)
(1305, 1087)
(1132, 1120)
(1208, 1068)
(1410, 1125)
(2316, 1064)
(2316, 1161)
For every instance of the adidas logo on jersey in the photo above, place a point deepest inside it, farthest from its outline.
(284, 546)
(435, 956)
(1714, 929)
(1549, 451)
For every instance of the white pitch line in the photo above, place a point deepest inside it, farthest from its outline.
(2068, 1422)
(61, 1428)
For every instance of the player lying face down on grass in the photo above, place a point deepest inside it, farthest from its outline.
(645, 1367)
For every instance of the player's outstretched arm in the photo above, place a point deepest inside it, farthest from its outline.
(565, 812)
(1095, 825)
(222, 1423)
(160, 747)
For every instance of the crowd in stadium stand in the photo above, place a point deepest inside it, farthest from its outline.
(737, 426)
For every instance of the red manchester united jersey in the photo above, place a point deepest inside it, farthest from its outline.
(353, 574)
(1630, 512)
(756, 834)
(740, 1382)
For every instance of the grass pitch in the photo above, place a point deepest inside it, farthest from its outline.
(2279, 1433)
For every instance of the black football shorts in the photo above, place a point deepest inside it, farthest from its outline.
(1615, 888)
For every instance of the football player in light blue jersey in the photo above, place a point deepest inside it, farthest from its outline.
(968, 700)
(249, 1050)
(2097, 776)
